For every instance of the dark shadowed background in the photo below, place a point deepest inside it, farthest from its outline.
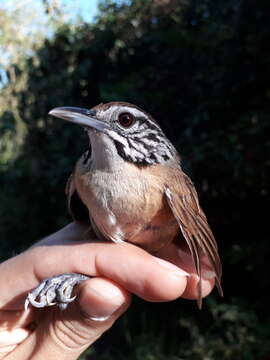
(202, 69)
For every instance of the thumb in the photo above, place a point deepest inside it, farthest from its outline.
(66, 334)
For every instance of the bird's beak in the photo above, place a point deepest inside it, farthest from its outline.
(80, 116)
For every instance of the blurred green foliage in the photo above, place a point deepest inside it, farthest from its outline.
(202, 68)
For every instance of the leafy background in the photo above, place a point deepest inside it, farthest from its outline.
(202, 68)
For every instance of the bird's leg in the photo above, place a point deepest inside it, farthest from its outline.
(55, 290)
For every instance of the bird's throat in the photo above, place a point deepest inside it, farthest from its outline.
(104, 156)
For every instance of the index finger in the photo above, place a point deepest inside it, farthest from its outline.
(129, 266)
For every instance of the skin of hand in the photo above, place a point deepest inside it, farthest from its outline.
(52, 334)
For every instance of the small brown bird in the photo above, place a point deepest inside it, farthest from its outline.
(131, 183)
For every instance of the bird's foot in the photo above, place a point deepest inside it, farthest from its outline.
(56, 290)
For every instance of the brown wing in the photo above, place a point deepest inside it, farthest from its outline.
(76, 207)
(183, 201)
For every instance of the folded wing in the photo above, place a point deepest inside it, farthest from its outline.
(183, 201)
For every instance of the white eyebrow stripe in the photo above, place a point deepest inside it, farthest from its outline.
(118, 109)
(135, 112)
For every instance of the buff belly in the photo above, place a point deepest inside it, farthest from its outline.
(128, 208)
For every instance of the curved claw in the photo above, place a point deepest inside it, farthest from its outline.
(26, 304)
(48, 301)
(64, 294)
(33, 302)
(56, 290)
(50, 296)
(69, 300)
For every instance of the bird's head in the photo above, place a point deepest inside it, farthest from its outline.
(123, 130)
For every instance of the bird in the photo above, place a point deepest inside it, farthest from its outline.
(129, 185)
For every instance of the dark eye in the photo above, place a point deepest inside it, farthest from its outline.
(126, 120)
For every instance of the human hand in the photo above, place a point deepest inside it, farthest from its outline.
(118, 270)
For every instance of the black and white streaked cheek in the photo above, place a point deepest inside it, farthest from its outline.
(127, 148)
(118, 138)
(136, 150)
(152, 144)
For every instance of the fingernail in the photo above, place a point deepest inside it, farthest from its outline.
(208, 274)
(103, 299)
(100, 318)
(12, 337)
(171, 267)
